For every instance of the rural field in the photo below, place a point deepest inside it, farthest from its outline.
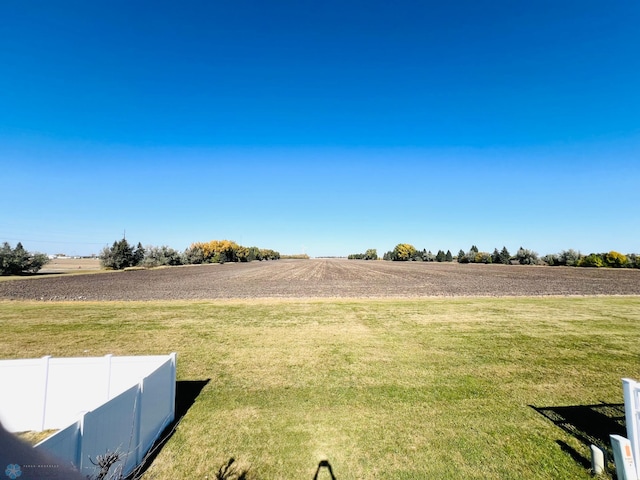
(334, 278)
(386, 370)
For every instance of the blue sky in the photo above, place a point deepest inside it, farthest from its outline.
(320, 127)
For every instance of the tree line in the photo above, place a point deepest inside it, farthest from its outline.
(405, 252)
(122, 255)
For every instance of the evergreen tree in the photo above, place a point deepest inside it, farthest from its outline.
(118, 257)
(16, 261)
(526, 257)
(505, 256)
(138, 254)
(448, 257)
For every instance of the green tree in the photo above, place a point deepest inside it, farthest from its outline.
(505, 256)
(482, 257)
(17, 261)
(118, 257)
(371, 254)
(194, 255)
(592, 260)
(462, 257)
(160, 256)
(440, 256)
(526, 257)
(448, 257)
(138, 254)
(570, 258)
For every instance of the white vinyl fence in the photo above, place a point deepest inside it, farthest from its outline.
(631, 390)
(97, 404)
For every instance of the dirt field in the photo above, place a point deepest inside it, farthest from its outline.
(323, 278)
(69, 264)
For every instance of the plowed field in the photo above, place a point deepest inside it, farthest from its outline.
(325, 278)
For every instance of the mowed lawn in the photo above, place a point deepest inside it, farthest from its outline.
(383, 389)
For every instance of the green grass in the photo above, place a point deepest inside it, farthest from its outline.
(388, 389)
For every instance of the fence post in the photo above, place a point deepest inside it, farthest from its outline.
(80, 444)
(138, 423)
(631, 390)
(45, 368)
(172, 386)
(107, 359)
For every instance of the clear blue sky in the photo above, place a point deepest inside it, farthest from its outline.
(321, 127)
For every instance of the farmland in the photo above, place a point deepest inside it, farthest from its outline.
(388, 370)
(322, 278)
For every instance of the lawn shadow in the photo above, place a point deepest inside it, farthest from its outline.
(187, 391)
(590, 424)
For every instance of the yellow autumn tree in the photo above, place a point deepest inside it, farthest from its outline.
(404, 252)
(216, 251)
(615, 259)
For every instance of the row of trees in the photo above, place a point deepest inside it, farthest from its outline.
(611, 259)
(18, 261)
(406, 252)
(371, 254)
(221, 251)
(123, 255)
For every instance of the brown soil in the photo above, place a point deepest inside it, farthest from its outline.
(325, 278)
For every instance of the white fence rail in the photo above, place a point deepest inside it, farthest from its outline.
(100, 404)
(631, 390)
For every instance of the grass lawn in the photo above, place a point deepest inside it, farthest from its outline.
(383, 389)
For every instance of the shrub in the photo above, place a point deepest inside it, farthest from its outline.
(194, 255)
(161, 256)
(526, 257)
(482, 257)
(570, 258)
(593, 260)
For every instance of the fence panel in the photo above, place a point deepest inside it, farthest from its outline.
(123, 369)
(114, 404)
(112, 427)
(64, 444)
(631, 390)
(157, 403)
(23, 399)
(75, 385)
